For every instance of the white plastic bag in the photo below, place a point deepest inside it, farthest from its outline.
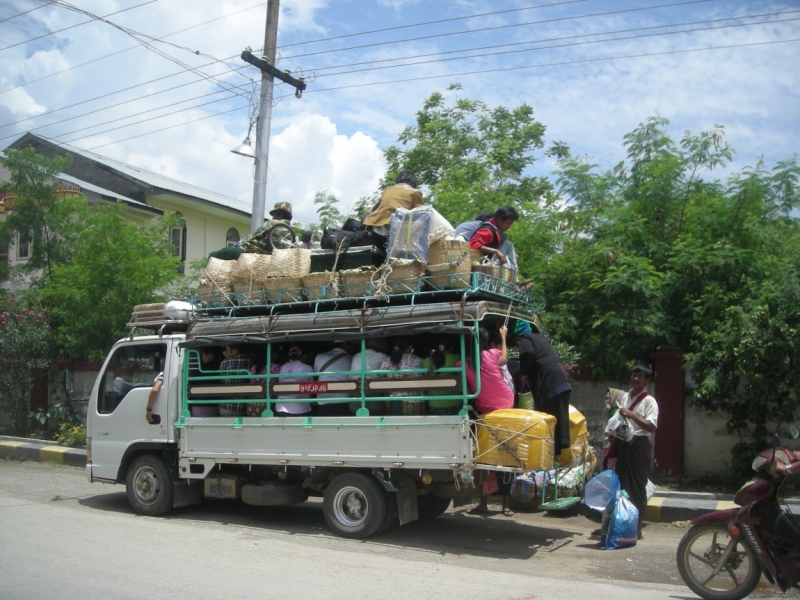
(650, 489)
(620, 428)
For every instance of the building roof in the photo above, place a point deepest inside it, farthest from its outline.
(108, 194)
(148, 178)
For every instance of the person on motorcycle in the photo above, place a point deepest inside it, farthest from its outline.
(633, 460)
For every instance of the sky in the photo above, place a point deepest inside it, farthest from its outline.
(159, 84)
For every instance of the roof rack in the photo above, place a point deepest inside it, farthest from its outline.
(158, 321)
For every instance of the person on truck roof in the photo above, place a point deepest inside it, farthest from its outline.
(490, 237)
(404, 194)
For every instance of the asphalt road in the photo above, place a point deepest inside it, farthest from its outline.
(61, 537)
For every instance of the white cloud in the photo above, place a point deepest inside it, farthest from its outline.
(19, 102)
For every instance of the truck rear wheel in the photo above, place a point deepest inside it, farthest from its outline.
(149, 486)
(430, 507)
(354, 505)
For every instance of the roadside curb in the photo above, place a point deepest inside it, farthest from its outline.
(41, 451)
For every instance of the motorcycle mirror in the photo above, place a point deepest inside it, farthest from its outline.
(793, 432)
(776, 440)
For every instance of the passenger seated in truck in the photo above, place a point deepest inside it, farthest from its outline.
(259, 367)
(298, 363)
(442, 356)
(235, 361)
(338, 359)
(402, 357)
(210, 360)
(375, 354)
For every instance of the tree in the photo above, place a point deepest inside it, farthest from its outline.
(88, 266)
(25, 350)
(328, 212)
(115, 265)
(471, 158)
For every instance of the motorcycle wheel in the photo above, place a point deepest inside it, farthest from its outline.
(715, 566)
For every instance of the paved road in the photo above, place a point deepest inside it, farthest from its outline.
(61, 537)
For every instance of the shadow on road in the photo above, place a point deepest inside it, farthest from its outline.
(453, 533)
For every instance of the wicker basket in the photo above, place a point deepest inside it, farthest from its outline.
(320, 286)
(290, 262)
(251, 267)
(356, 283)
(406, 277)
(283, 289)
(475, 255)
(498, 271)
(211, 295)
(449, 265)
(247, 293)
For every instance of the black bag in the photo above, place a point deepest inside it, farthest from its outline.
(353, 225)
(339, 239)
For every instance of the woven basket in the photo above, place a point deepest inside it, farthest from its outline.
(449, 265)
(475, 255)
(356, 283)
(318, 286)
(210, 295)
(251, 267)
(219, 271)
(290, 262)
(283, 289)
(405, 277)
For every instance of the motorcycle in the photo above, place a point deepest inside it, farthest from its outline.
(724, 553)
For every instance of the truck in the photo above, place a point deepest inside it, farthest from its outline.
(373, 468)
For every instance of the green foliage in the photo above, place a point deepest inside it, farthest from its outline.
(25, 350)
(472, 158)
(115, 265)
(71, 435)
(328, 212)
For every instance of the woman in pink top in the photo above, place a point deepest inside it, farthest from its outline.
(495, 393)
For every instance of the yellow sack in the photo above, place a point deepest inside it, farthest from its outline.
(516, 438)
(579, 451)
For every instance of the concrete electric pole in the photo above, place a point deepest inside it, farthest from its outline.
(264, 117)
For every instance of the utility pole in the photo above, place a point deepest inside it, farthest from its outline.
(264, 117)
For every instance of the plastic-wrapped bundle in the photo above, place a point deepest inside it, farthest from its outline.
(516, 438)
(409, 230)
(579, 451)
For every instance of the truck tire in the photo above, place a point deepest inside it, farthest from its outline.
(430, 506)
(391, 519)
(149, 486)
(354, 506)
(273, 494)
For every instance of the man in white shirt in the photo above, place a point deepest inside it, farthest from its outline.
(375, 354)
(334, 362)
(633, 461)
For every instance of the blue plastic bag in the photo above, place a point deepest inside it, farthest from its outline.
(623, 527)
(601, 491)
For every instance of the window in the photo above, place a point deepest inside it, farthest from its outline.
(231, 237)
(3, 258)
(24, 248)
(131, 367)
(177, 236)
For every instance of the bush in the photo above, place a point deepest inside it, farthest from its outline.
(71, 435)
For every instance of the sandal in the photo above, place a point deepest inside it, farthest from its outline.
(477, 511)
(508, 512)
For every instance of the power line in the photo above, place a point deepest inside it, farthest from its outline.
(225, 112)
(617, 39)
(74, 26)
(22, 13)
(459, 58)
(137, 46)
(558, 64)
(483, 72)
(445, 52)
(497, 27)
(396, 27)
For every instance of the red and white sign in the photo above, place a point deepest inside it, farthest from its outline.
(313, 387)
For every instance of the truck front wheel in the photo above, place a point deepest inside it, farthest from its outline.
(149, 486)
(354, 505)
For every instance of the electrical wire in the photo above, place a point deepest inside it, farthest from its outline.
(437, 22)
(480, 72)
(20, 14)
(557, 64)
(225, 112)
(280, 97)
(474, 49)
(134, 47)
(504, 52)
(74, 26)
(498, 27)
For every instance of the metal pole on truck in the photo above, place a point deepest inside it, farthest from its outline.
(264, 117)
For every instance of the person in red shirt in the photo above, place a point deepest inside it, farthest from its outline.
(490, 235)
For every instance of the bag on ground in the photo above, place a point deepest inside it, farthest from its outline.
(601, 492)
(623, 526)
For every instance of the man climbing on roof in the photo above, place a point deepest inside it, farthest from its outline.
(258, 241)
